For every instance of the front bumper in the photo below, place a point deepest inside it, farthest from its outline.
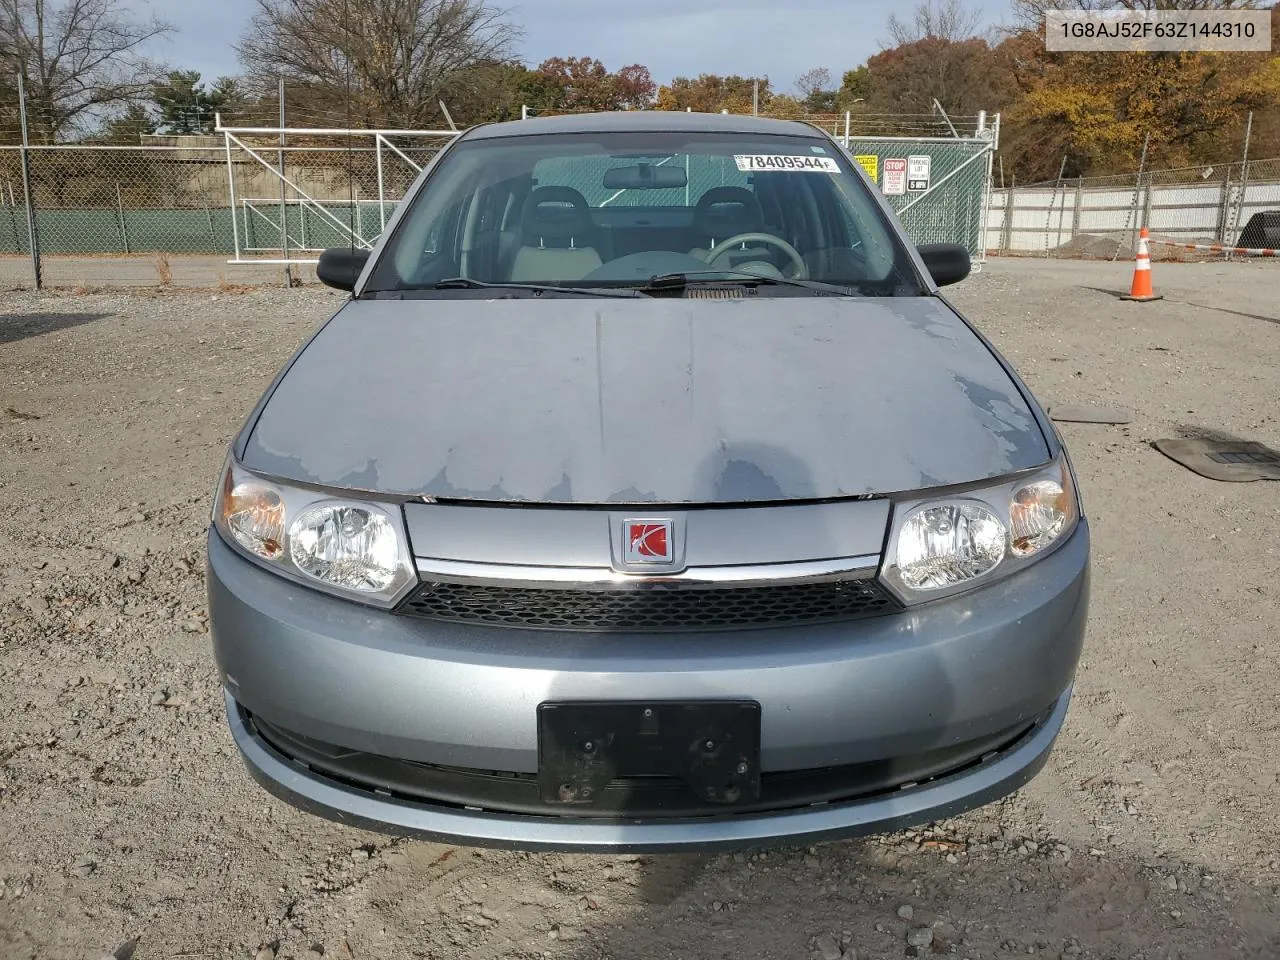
(945, 673)
(372, 810)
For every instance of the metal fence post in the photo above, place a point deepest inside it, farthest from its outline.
(1146, 202)
(1075, 212)
(1244, 180)
(284, 206)
(33, 234)
(1010, 202)
(382, 191)
(124, 231)
(231, 193)
(1133, 205)
(1224, 206)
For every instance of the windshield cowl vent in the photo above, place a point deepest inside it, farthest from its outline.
(714, 293)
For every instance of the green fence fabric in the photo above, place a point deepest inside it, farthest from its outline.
(953, 210)
(146, 202)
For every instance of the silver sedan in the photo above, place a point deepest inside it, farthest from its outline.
(646, 494)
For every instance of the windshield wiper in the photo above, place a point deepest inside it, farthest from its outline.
(466, 283)
(678, 281)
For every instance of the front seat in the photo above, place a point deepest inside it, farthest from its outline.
(556, 237)
(724, 212)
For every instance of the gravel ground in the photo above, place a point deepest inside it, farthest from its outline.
(125, 814)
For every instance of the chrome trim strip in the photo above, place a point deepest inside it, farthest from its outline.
(605, 578)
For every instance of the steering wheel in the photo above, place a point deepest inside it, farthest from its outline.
(725, 247)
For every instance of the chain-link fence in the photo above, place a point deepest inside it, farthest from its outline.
(949, 203)
(242, 197)
(201, 197)
(1230, 204)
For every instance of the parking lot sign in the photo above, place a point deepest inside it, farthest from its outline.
(918, 168)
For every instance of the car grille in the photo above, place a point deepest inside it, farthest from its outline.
(651, 608)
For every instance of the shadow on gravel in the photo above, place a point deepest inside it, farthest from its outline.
(1234, 313)
(885, 900)
(20, 326)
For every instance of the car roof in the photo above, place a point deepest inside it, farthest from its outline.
(636, 121)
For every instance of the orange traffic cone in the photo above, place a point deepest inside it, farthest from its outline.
(1141, 288)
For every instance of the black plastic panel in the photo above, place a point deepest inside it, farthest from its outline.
(712, 746)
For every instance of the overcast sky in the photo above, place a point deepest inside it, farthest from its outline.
(775, 38)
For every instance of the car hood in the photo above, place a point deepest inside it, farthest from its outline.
(559, 400)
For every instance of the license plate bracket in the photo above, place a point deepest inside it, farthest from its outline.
(713, 745)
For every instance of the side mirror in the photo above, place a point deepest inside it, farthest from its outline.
(340, 267)
(947, 262)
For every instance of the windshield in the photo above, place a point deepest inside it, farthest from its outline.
(618, 209)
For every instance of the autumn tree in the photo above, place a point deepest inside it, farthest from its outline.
(1097, 109)
(710, 93)
(398, 56)
(586, 84)
(855, 87)
(493, 90)
(962, 75)
(79, 60)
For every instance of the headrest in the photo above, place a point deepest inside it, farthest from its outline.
(556, 214)
(723, 212)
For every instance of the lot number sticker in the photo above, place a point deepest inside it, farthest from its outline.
(918, 172)
(775, 161)
(895, 176)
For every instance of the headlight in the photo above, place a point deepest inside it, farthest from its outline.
(947, 545)
(348, 547)
(254, 515)
(1038, 513)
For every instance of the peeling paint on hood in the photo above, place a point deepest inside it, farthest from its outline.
(584, 400)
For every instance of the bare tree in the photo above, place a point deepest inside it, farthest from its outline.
(397, 55)
(813, 82)
(936, 19)
(78, 59)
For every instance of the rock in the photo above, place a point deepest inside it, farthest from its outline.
(828, 948)
(920, 937)
(952, 858)
(265, 952)
(83, 867)
(317, 949)
(906, 911)
(159, 697)
(1171, 883)
(359, 854)
(849, 954)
